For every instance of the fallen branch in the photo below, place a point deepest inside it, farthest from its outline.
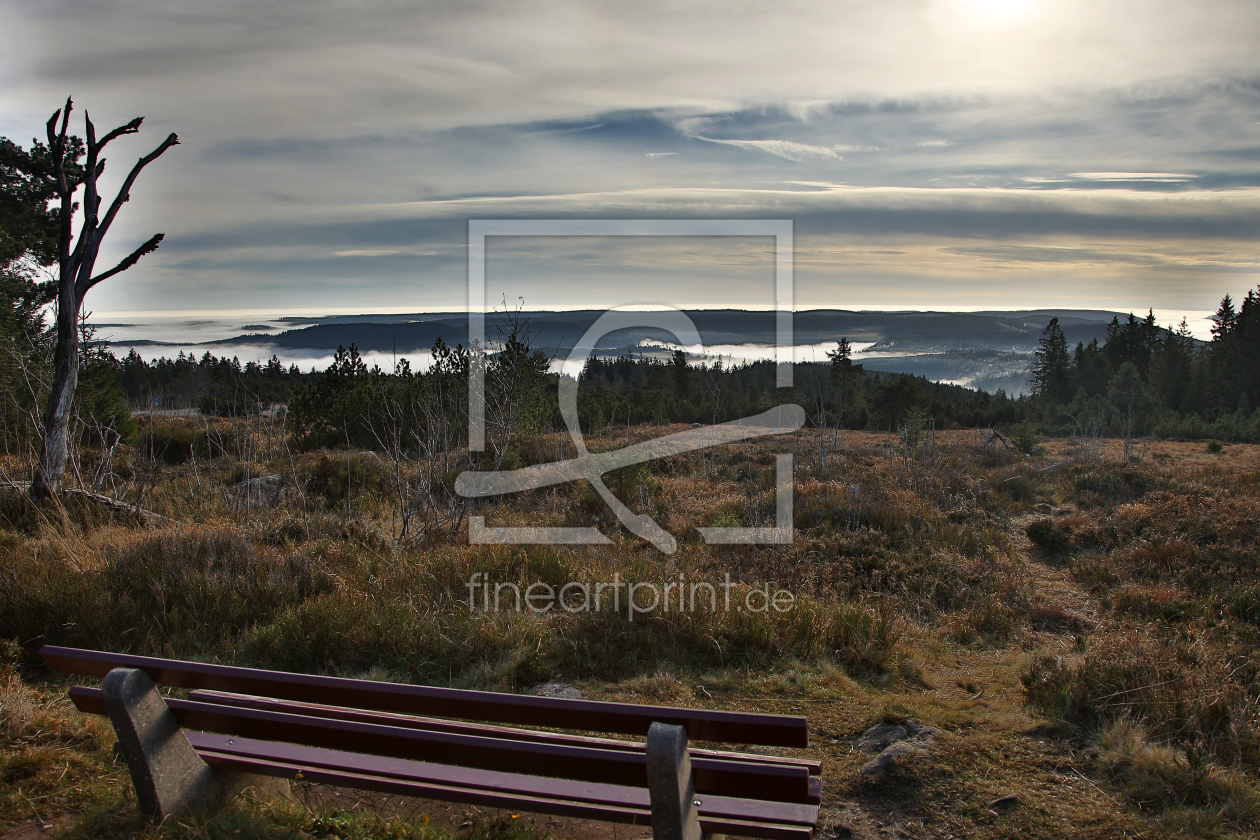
(147, 517)
(998, 436)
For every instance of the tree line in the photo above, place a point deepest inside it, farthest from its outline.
(351, 404)
(214, 385)
(1145, 379)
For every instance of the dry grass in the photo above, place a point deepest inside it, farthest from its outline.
(53, 760)
(1153, 775)
(917, 593)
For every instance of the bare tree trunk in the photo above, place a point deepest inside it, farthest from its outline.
(75, 275)
(52, 460)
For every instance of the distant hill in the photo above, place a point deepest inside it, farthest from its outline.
(987, 350)
(929, 332)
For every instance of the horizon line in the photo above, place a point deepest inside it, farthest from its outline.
(272, 314)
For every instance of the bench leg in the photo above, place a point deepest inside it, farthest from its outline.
(671, 788)
(167, 773)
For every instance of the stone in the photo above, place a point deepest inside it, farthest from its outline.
(882, 735)
(262, 491)
(893, 741)
(924, 734)
(879, 737)
(882, 762)
(168, 775)
(556, 689)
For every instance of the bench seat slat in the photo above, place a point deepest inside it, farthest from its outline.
(411, 722)
(614, 809)
(612, 795)
(590, 715)
(712, 776)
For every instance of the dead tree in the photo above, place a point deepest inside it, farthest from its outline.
(75, 267)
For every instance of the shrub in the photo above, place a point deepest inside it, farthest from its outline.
(173, 442)
(1112, 483)
(1215, 446)
(185, 591)
(1053, 618)
(1018, 489)
(1154, 775)
(1158, 681)
(512, 460)
(988, 621)
(382, 630)
(1024, 437)
(17, 514)
(337, 476)
(606, 646)
(1245, 605)
(1049, 538)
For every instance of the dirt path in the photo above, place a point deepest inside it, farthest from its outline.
(1060, 604)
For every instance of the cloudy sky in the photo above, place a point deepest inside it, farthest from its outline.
(960, 154)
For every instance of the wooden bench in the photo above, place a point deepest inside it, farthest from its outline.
(241, 724)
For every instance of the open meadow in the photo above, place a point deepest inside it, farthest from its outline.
(1081, 631)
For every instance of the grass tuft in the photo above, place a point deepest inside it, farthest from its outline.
(1160, 777)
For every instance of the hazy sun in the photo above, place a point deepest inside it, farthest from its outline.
(988, 12)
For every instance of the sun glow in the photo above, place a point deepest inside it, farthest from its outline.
(989, 13)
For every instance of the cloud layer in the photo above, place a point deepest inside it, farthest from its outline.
(931, 152)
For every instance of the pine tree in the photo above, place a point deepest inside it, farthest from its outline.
(1235, 352)
(1090, 368)
(28, 240)
(844, 373)
(1128, 397)
(1225, 319)
(1170, 368)
(681, 375)
(1132, 340)
(1246, 340)
(1052, 369)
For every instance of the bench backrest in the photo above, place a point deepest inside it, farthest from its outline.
(461, 704)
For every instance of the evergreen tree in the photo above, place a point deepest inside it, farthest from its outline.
(1090, 368)
(681, 375)
(1224, 319)
(29, 234)
(1127, 393)
(1052, 369)
(843, 373)
(1133, 340)
(1170, 368)
(1235, 352)
(335, 410)
(1244, 339)
(895, 398)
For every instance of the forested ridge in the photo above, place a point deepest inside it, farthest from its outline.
(1143, 380)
